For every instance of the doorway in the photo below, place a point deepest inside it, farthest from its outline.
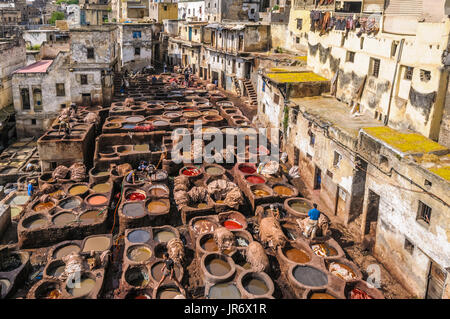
(436, 281)
(373, 205)
(317, 178)
(86, 99)
(340, 202)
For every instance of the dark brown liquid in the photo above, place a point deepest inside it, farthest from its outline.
(297, 255)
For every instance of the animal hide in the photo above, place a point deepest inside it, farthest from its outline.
(60, 172)
(224, 238)
(270, 232)
(257, 257)
(175, 248)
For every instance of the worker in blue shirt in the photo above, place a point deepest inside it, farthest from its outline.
(30, 189)
(312, 222)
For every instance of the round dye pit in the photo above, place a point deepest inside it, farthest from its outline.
(70, 203)
(10, 262)
(232, 224)
(167, 293)
(97, 243)
(135, 195)
(191, 171)
(43, 206)
(247, 169)
(137, 276)
(157, 207)
(139, 253)
(202, 226)
(300, 206)
(97, 200)
(128, 127)
(209, 244)
(85, 286)
(160, 123)
(102, 188)
(296, 255)
(134, 119)
(19, 200)
(91, 216)
(34, 222)
(63, 251)
(100, 174)
(4, 285)
(164, 236)
(141, 148)
(309, 276)
(78, 190)
(253, 179)
(321, 295)
(159, 190)
(254, 285)
(200, 205)
(260, 192)
(133, 209)
(48, 290)
(156, 270)
(56, 268)
(217, 266)
(324, 250)
(139, 236)
(63, 219)
(225, 290)
(283, 190)
(214, 170)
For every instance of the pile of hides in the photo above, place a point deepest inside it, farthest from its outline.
(74, 264)
(359, 294)
(123, 169)
(175, 248)
(270, 232)
(257, 257)
(224, 239)
(197, 194)
(60, 172)
(91, 118)
(128, 102)
(78, 172)
(227, 191)
(322, 226)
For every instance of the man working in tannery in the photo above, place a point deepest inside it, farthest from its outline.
(168, 270)
(313, 220)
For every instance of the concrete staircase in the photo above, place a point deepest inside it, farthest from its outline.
(251, 93)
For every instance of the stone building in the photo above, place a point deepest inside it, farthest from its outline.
(135, 44)
(161, 10)
(232, 10)
(94, 12)
(125, 10)
(192, 10)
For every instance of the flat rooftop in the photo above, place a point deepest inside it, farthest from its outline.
(336, 113)
(37, 67)
(283, 75)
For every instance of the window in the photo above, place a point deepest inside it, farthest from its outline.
(312, 139)
(165, 8)
(299, 24)
(33, 122)
(264, 87)
(90, 53)
(84, 79)
(137, 34)
(337, 159)
(329, 174)
(374, 67)
(383, 160)
(62, 106)
(424, 213)
(297, 40)
(428, 183)
(37, 97)
(195, 32)
(350, 57)
(60, 90)
(264, 108)
(276, 99)
(394, 48)
(408, 73)
(137, 51)
(409, 246)
(425, 75)
(25, 95)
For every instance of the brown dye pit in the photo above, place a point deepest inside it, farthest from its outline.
(202, 205)
(225, 290)
(102, 188)
(321, 295)
(78, 190)
(63, 219)
(133, 210)
(157, 207)
(65, 250)
(214, 170)
(99, 174)
(255, 286)
(97, 244)
(342, 271)
(85, 286)
(300, 206)
(283, 190)
(167, 293)
(158, 191)
(141, 148)
(91, 216)
(297, 255)
(139, 254)
(324, 250)
(36, 223)
(56, 271)
(136, 276)
(157, 271)
(210, 245)
(218, 267)
(43, 206)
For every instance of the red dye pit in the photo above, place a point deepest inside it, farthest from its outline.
(247, 169)
(191, 171)
(255, 179)
(232, 224)
(135, 196)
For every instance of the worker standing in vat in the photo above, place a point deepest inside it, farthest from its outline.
(312, 222)
(30, 188)
(168, 270)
